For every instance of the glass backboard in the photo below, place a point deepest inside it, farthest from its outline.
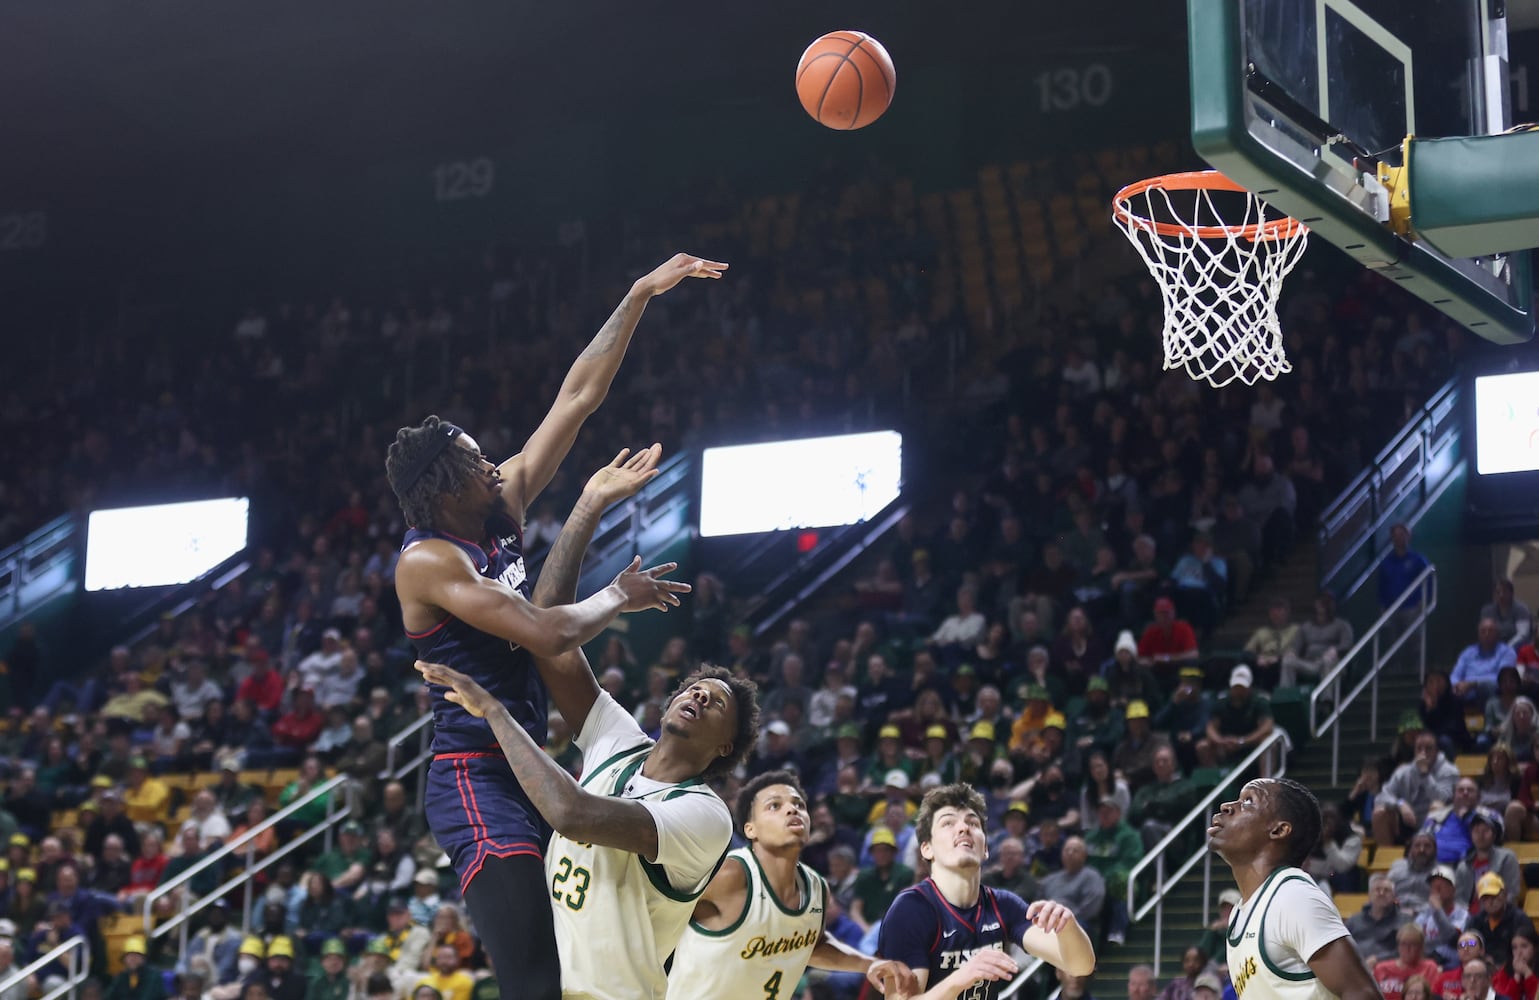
(1301, 100)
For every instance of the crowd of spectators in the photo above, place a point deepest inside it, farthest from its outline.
(1036, 629)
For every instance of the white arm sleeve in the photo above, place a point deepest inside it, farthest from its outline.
(693, 830)
(1300, 921)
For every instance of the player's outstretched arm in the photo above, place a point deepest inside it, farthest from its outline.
(573, 812)
(438, 574)
(1340, 969)
(526, 474)
(569, 677)
(1057, 938)
(890, 978)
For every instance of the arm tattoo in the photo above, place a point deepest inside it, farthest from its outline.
(604, 341)
(549, 786)
(558, 577)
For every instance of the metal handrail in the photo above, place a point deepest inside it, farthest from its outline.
(1424, 589)
(423, 730)
(1031, 968)
(43, 551)
(1378, 492)
(246, 842)
(77, 945)
(1201, 812)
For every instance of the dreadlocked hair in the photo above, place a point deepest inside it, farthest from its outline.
(745, 695)
(960, 795)
(751, 791)
(446, 475)
(1298, 807)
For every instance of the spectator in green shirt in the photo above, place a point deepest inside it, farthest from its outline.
(332, 983)
(1159, 805)
(347, 863)
(1114, 848)
(137, 981)
(314, 813)
(878, 885)
(1237, 723)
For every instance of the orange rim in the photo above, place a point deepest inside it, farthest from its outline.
(1285, 228)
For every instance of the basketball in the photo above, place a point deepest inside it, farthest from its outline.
(845, 80)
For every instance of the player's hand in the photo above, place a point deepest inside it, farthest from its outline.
(1050, 916)
(463, 691)
(625, 475)
(987, 963)
(676, 269)
(892, 978)
(645, 589)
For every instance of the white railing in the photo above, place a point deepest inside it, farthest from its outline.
(422, 729)
(76, 954)
(1274, 746)
(245, 844)
(1398, 614)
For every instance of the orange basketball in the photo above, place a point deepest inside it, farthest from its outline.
(846, 79)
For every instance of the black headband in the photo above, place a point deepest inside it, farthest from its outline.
(445, 436)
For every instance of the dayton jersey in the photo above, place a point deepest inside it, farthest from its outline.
(1273, 935)
(619, 916)
(506, 671)
(923, 930)
(765, 950)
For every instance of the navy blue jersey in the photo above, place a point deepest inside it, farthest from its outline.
(924, 931)
(506, 671)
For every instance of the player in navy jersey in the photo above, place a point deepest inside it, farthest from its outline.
(952, 930)
(465, 601)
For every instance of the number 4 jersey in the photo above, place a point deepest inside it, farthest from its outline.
(619, 916)
(763, 953)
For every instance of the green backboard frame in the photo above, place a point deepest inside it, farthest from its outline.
(1496, 305)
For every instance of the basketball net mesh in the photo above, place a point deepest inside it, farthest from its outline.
(1219, 284)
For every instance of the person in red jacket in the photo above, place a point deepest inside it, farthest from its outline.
(1391, 974)
(1169, 643)
(1450, 985)
(297, 728)
(1516, 979)
(263, 687)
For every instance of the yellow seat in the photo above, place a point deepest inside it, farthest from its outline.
(1384, 857)
(1475, 722)
(1348, 903)
(1531, 903)
(1528, 853)
(1470, 765)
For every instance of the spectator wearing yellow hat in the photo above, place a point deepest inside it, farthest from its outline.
(248, 964)
(1134, 756)
(283, 981)
(1185, 715)
(26, 904)
(889, 757)
(879, 883)
(137, 981)
(981, 752)
(332, 983)
(1498, 920)
(939, 759)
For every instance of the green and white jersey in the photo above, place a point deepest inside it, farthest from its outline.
(619, 916)
(1273, 935)
(764, 952)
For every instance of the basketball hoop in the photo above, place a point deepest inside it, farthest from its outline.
(1220, 281)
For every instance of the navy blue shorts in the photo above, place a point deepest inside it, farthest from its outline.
(476, 810)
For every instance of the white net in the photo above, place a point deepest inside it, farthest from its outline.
(1220, 283)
